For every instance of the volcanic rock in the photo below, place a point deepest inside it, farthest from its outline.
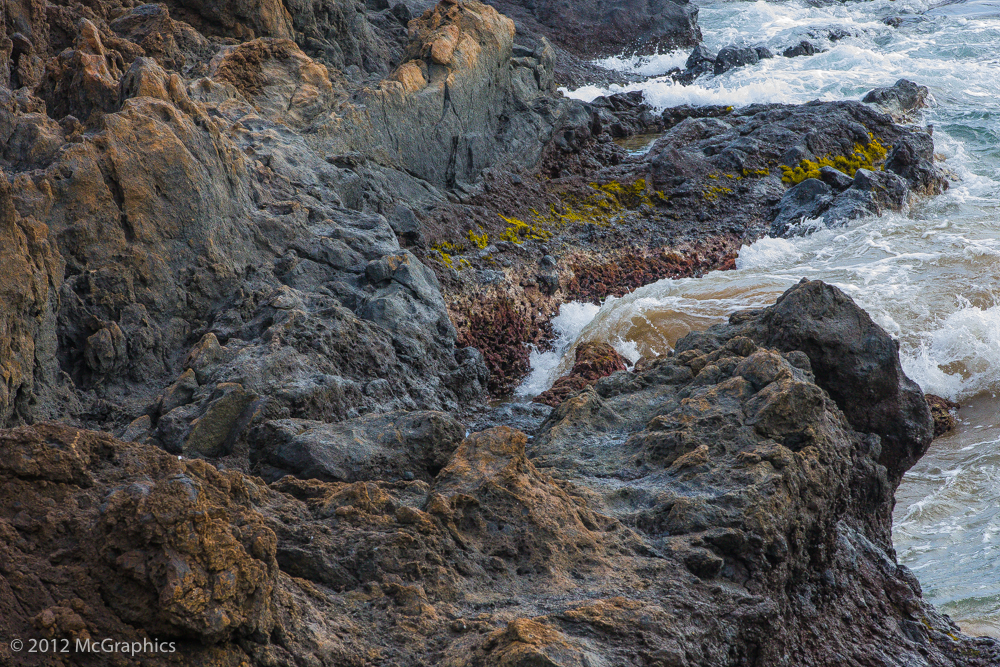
(593, 361)
(604, 28)
(731, 57)
(900, 99)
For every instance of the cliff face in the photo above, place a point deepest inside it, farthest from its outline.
(249, 210)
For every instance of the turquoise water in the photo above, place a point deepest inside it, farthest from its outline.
(930, 276)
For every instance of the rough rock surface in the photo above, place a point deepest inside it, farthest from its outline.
(220, 234)
(901, 99)
(944, 413)
(716, 507)
(593, 361)
(405, 445)
(274, 235)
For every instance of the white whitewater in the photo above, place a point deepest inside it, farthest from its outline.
(931, 277)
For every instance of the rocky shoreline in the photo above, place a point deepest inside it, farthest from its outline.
(263, 265)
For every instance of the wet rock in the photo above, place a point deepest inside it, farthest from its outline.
(803, 48)
(944, 413)
(900, 99)
(804, 201)
(851, 204)
(593, 361)
(888, 189)
(913, 158)
(700, 60)
(731, 57)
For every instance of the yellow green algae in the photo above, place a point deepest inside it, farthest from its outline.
(868, 156)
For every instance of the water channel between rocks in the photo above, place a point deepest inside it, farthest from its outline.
(931, 277)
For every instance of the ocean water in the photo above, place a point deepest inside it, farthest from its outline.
(930, 276)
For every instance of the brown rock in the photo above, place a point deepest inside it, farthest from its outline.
(85, 78)
(594, 360)
(944, 413)
(173, 547)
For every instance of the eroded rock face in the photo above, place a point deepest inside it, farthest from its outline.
(155, 210)
(173, 547)
(31, 273)
(201, 209)
(404, 445)
(853, 359)
(734, 459)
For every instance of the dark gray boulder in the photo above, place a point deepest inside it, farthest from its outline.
(398, 445)
(803, 48)
(806, 200)
(732, 57)
(701, 61)
(902, 97)
(852, 358)
(835, 178)
(912, 158)
(888, 190)
(849, 205)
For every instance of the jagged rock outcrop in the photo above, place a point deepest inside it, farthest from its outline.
(403, 445)
(752, 155)
(901, 99)
(718, 507)
(218, 227)
(746, 458)
(31, 273)
(241, 213)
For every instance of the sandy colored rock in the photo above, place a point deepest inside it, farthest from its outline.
(213, 433)
(943, 412)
